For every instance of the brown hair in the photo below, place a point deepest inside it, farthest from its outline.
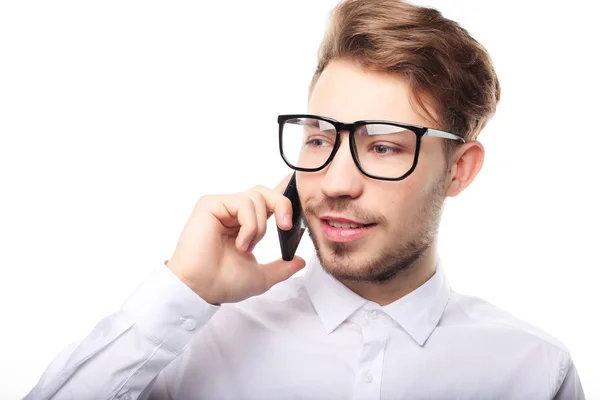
(445, 67)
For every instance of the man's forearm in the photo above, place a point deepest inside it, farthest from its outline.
(124, 354)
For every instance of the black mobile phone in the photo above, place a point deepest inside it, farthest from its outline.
(289, 240)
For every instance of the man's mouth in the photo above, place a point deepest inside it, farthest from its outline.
(352, 225)
(338, 229)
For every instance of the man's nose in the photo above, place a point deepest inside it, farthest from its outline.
(342, 176)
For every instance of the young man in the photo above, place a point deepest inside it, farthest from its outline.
(374, 316)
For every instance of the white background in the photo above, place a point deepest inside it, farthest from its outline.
(116, 116)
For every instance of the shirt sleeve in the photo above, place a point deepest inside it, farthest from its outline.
(571, 388)
(123, 355)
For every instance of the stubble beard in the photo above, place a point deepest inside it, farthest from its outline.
(414, 239)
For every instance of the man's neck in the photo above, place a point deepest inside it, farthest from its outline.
(401, 285)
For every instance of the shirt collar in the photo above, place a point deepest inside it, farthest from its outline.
(418, 312)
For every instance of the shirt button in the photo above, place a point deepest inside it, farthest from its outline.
(371, 314)
(188, 324)
(125, 397)
(368, 377)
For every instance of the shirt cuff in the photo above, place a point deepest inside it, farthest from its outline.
(166, 310)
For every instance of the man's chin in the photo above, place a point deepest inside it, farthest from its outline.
(346, 269)
(339, 251)
(343, 260)
(369, 262)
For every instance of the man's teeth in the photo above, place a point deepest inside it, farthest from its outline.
(343, 225)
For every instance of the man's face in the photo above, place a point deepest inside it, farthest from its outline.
(401, 217)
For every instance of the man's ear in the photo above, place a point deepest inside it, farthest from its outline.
(467, 161)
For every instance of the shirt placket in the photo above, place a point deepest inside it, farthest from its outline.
(370, 364)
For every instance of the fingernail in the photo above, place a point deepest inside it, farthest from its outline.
(287, 220)
(245, 246)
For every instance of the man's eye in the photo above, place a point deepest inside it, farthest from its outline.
(317, 142)
(382, 149)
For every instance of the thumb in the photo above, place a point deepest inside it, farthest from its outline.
(280, 270)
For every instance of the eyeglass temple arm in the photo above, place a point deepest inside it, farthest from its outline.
(441, 134)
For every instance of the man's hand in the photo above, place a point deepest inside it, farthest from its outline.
(214, 251)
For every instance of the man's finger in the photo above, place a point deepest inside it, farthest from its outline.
(242, 208)
(280, 188)
(261, 216)
(278, 204)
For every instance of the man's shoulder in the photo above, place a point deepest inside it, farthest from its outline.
(477, 313)
(509, 353)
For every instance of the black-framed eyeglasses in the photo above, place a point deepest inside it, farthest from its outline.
(384, 150)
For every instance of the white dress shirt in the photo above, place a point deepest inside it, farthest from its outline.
(310, 337)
